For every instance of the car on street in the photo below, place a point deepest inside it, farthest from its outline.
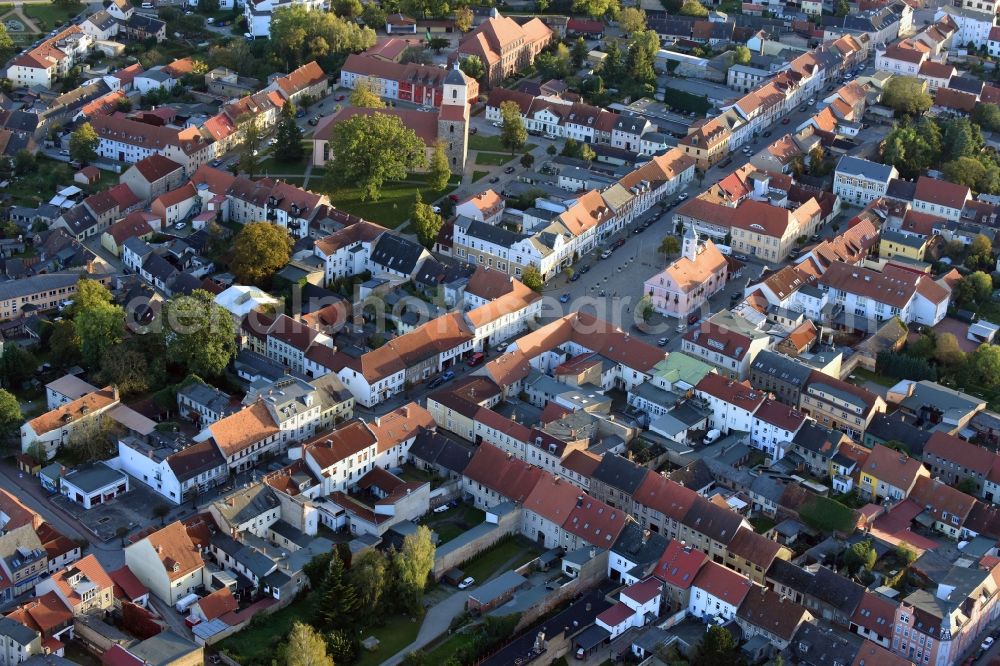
(620, 242)
(180, 225)
(662, 342)
(804, 108)
(736, 298)
(495, 179)
(301, 113)
(448, 375)
(469, 581)
(453, 197)
(584, 268)
(692, 319)
(339, 98)
(683, 196)
(476, 359)
(785, 121)
(509, 170)
(314, 120)
(441, 509)
(767, 134)
(740, 257)
(576, 276)
(987, 644)
(606, 253)
(564, 298)
(216, 163)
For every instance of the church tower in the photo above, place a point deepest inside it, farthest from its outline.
(690, 248)
(453, 119)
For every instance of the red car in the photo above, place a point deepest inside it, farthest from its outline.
(453, 197)
(619, 242)
(476, 359)
(339, 98)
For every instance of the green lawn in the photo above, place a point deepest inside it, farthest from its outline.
(489, 562)
(51, 15)
(867, 375)
(40, 185)
(453, 522)
(493, 159)
(479, 175)
(492, 143)
(685, 101)
(393, 636)
(257, 643)
(272, 165)
(448, 648)
(761, 524)
(393, 207)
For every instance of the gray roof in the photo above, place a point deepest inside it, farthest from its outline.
(438, 449)
(814, 437)
(164, 648)
(695, 476)
(35, 284)
(824, 645)
(487, 232)
(638, 546)
(620, 473)
(396, 253)
(927, 393)
(495, 588)
(93, 477)
(16, 631)
(201, 393)
(887, 427)
(247, 503)
(833, 589)
(855, 166)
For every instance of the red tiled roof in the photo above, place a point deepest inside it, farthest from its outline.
(644, 591)
(679, 565)
(127, 585)
(740, 394)
(723, 583)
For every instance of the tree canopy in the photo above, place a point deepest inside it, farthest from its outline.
(907, 96)
(425, 222)
(259, 249)
(249, 149)
(198, 335)
(305, 647)
(693, 8)
(97, 322)
(513, 134)
(631, 19)
(288, 147)
(596, 8)
(439, 173)
(369, 150)
(10, 413)
(299, 35)
(83, 143)
(473, 67)
(364, 95)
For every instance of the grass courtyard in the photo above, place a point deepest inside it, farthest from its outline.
(492, 144)
(257, 643)
(394, 206)
(493, 159)
(51, 15)
(393, 636)
(508, 554)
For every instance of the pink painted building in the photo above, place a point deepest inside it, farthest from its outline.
(688, 282)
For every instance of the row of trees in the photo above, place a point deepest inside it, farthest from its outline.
(354, 594)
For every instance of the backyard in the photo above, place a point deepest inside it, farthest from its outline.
(492, 144)
(493, 159)
(453, 522)
(508, 554)
(393, 636)
(256, 644)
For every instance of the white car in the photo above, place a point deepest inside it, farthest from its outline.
(987, 644)
(436, 209)
(441, 509)
(180, 225)
(467, 583)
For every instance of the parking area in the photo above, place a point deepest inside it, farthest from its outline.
(130, 511)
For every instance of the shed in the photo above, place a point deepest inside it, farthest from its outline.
(495, 592)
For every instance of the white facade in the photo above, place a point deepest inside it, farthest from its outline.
(858, 186)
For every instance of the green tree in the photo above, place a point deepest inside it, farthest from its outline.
(947, 351)
(909, 150)
(555, 64)
(968, 486)
(364, 95)
(341, 647)
(905, 555)
(92, 439)
(527, 160)
(980, 253)
(987, 116)
(24, 161)
(843, 9)
(532, 279)
(426, 223)
(960, 138)
(551, 151)
(473, 67)
(513, 134)
(161, 511)
(125, 367)
(373, 16)
(368, 577)
(299, 35)
(587, 153)
(983, 366)
(579, 52)
(305, 647)
(64, 345)
(259, 250)
(640, 65)
(741, 55)
(861, 555)
(7, 47)
(17, 365)
(669, 246)
(83, 143)
(717, 648)
(339, 601)
(613, 65)
(198, 335)
(463, 19)
(966, 171)
(251, 133)
(595, 8)
(438, 44)
(288, 147)
(10, 414)
(693, 8)
(631, 19)
(349, 9)
(973, 289)
(370, 150)
(411, 566)
(439, 173)
(907, 96)
(98, 326)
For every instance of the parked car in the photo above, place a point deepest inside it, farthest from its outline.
(662, 342)
(216, 163)
(692, 319)
(441, 509)
(340, 98)
(711, 436)
(785, 121)
(476, 359)
(564, 298)
(469, 581)
(453, 197)
(495, 179)
(576, 276)
(301, 113)
(584, 268)
(987, 644)
(180, 225)
(314, 120)
(509, 170)
(606, 253)
(619, 242)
